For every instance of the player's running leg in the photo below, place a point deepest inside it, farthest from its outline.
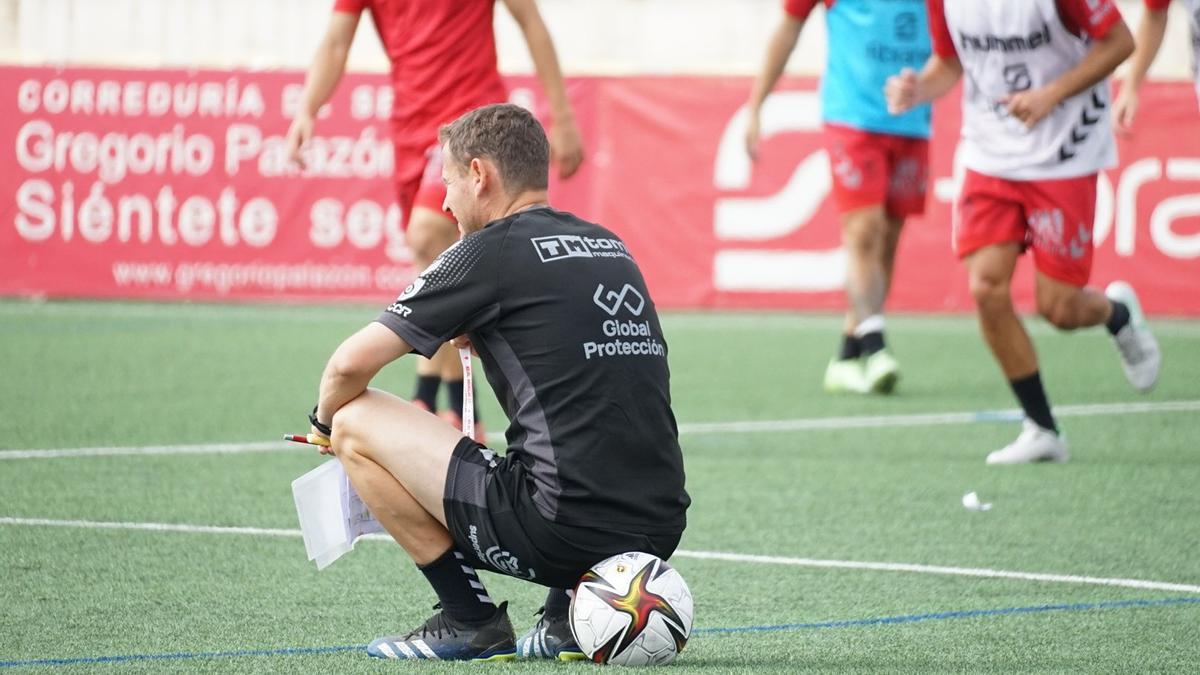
(550, 637)
(397, 457)
(990, 271)
(1068, 307)
(864, 235)
(880, 367)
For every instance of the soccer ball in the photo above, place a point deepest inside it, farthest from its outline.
(632, 609)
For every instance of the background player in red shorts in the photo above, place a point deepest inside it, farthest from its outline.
(1036, 132)
(879, 161)
(1150, 31)
(443, 57)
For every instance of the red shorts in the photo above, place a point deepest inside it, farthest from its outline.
(418, 178)
(1052, 217)
(871, 169)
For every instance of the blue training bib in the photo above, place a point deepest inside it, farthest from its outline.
(869, 41)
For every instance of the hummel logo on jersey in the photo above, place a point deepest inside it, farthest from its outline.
(611, 301)
(1006, 43)
(564, 246)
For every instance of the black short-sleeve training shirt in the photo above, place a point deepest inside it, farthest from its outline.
(572, 346)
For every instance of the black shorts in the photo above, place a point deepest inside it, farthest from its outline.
(492, 518)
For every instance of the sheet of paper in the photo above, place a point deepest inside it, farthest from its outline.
(332, 517)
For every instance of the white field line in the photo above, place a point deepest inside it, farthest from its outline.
(760, 426)
(700, 555)
(704, 321)
(197, 449)
(186, 311)
(933, 419)
(940, 569)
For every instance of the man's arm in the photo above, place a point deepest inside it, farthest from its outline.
(909, 89)
(779, 48)
(1105, 54)
(566, 146)
(1150, 31)
(329, 63)
(354, 364)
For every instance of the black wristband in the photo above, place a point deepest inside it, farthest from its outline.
(318, 425)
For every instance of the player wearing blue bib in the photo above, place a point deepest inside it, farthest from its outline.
(879, 162)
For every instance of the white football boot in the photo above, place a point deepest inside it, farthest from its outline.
(1140, 355)
(1035, 444)
(881, 371)
(846, 376)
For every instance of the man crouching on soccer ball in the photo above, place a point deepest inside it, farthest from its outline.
(593, 466)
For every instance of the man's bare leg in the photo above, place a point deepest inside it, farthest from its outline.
(990, 271)
(1068, 307)
(397, 457)
(870, 243)
(429, 233)
(864, 235)
(891, 242)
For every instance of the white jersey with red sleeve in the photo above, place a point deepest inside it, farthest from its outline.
(1009, 46)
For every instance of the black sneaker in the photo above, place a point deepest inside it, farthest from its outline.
(444, 639)
(550, 638)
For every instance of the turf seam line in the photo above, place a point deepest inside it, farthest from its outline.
(682, 553)
(759, 426)
(823, 625)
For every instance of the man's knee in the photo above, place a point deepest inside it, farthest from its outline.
(865, 231)
(347, 424)
(1058, 310)
(990, 291)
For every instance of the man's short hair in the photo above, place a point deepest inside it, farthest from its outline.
(506, 134)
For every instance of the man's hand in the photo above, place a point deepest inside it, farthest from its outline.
(902, 91)
(464, 342)
(1032, 106)
(298, 136)
(566, 148)
(319, 439)
(319, 432)
(1125, 108)
(753, 133)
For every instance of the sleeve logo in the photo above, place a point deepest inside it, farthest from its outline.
(419, 283)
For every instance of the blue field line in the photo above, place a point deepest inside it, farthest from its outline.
(180, 656)
(943, 616)
(985, 416)
(775, 628)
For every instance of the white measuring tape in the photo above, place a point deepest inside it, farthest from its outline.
(468, 411)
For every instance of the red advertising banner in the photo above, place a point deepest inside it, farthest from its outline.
(172, 184)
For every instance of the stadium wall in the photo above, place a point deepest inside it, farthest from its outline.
(167, 183)
(593, 37)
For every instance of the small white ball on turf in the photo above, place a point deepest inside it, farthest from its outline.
(632, 609)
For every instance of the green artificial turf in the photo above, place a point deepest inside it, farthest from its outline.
(112, 374)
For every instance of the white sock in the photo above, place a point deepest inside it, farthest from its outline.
(871, 324)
